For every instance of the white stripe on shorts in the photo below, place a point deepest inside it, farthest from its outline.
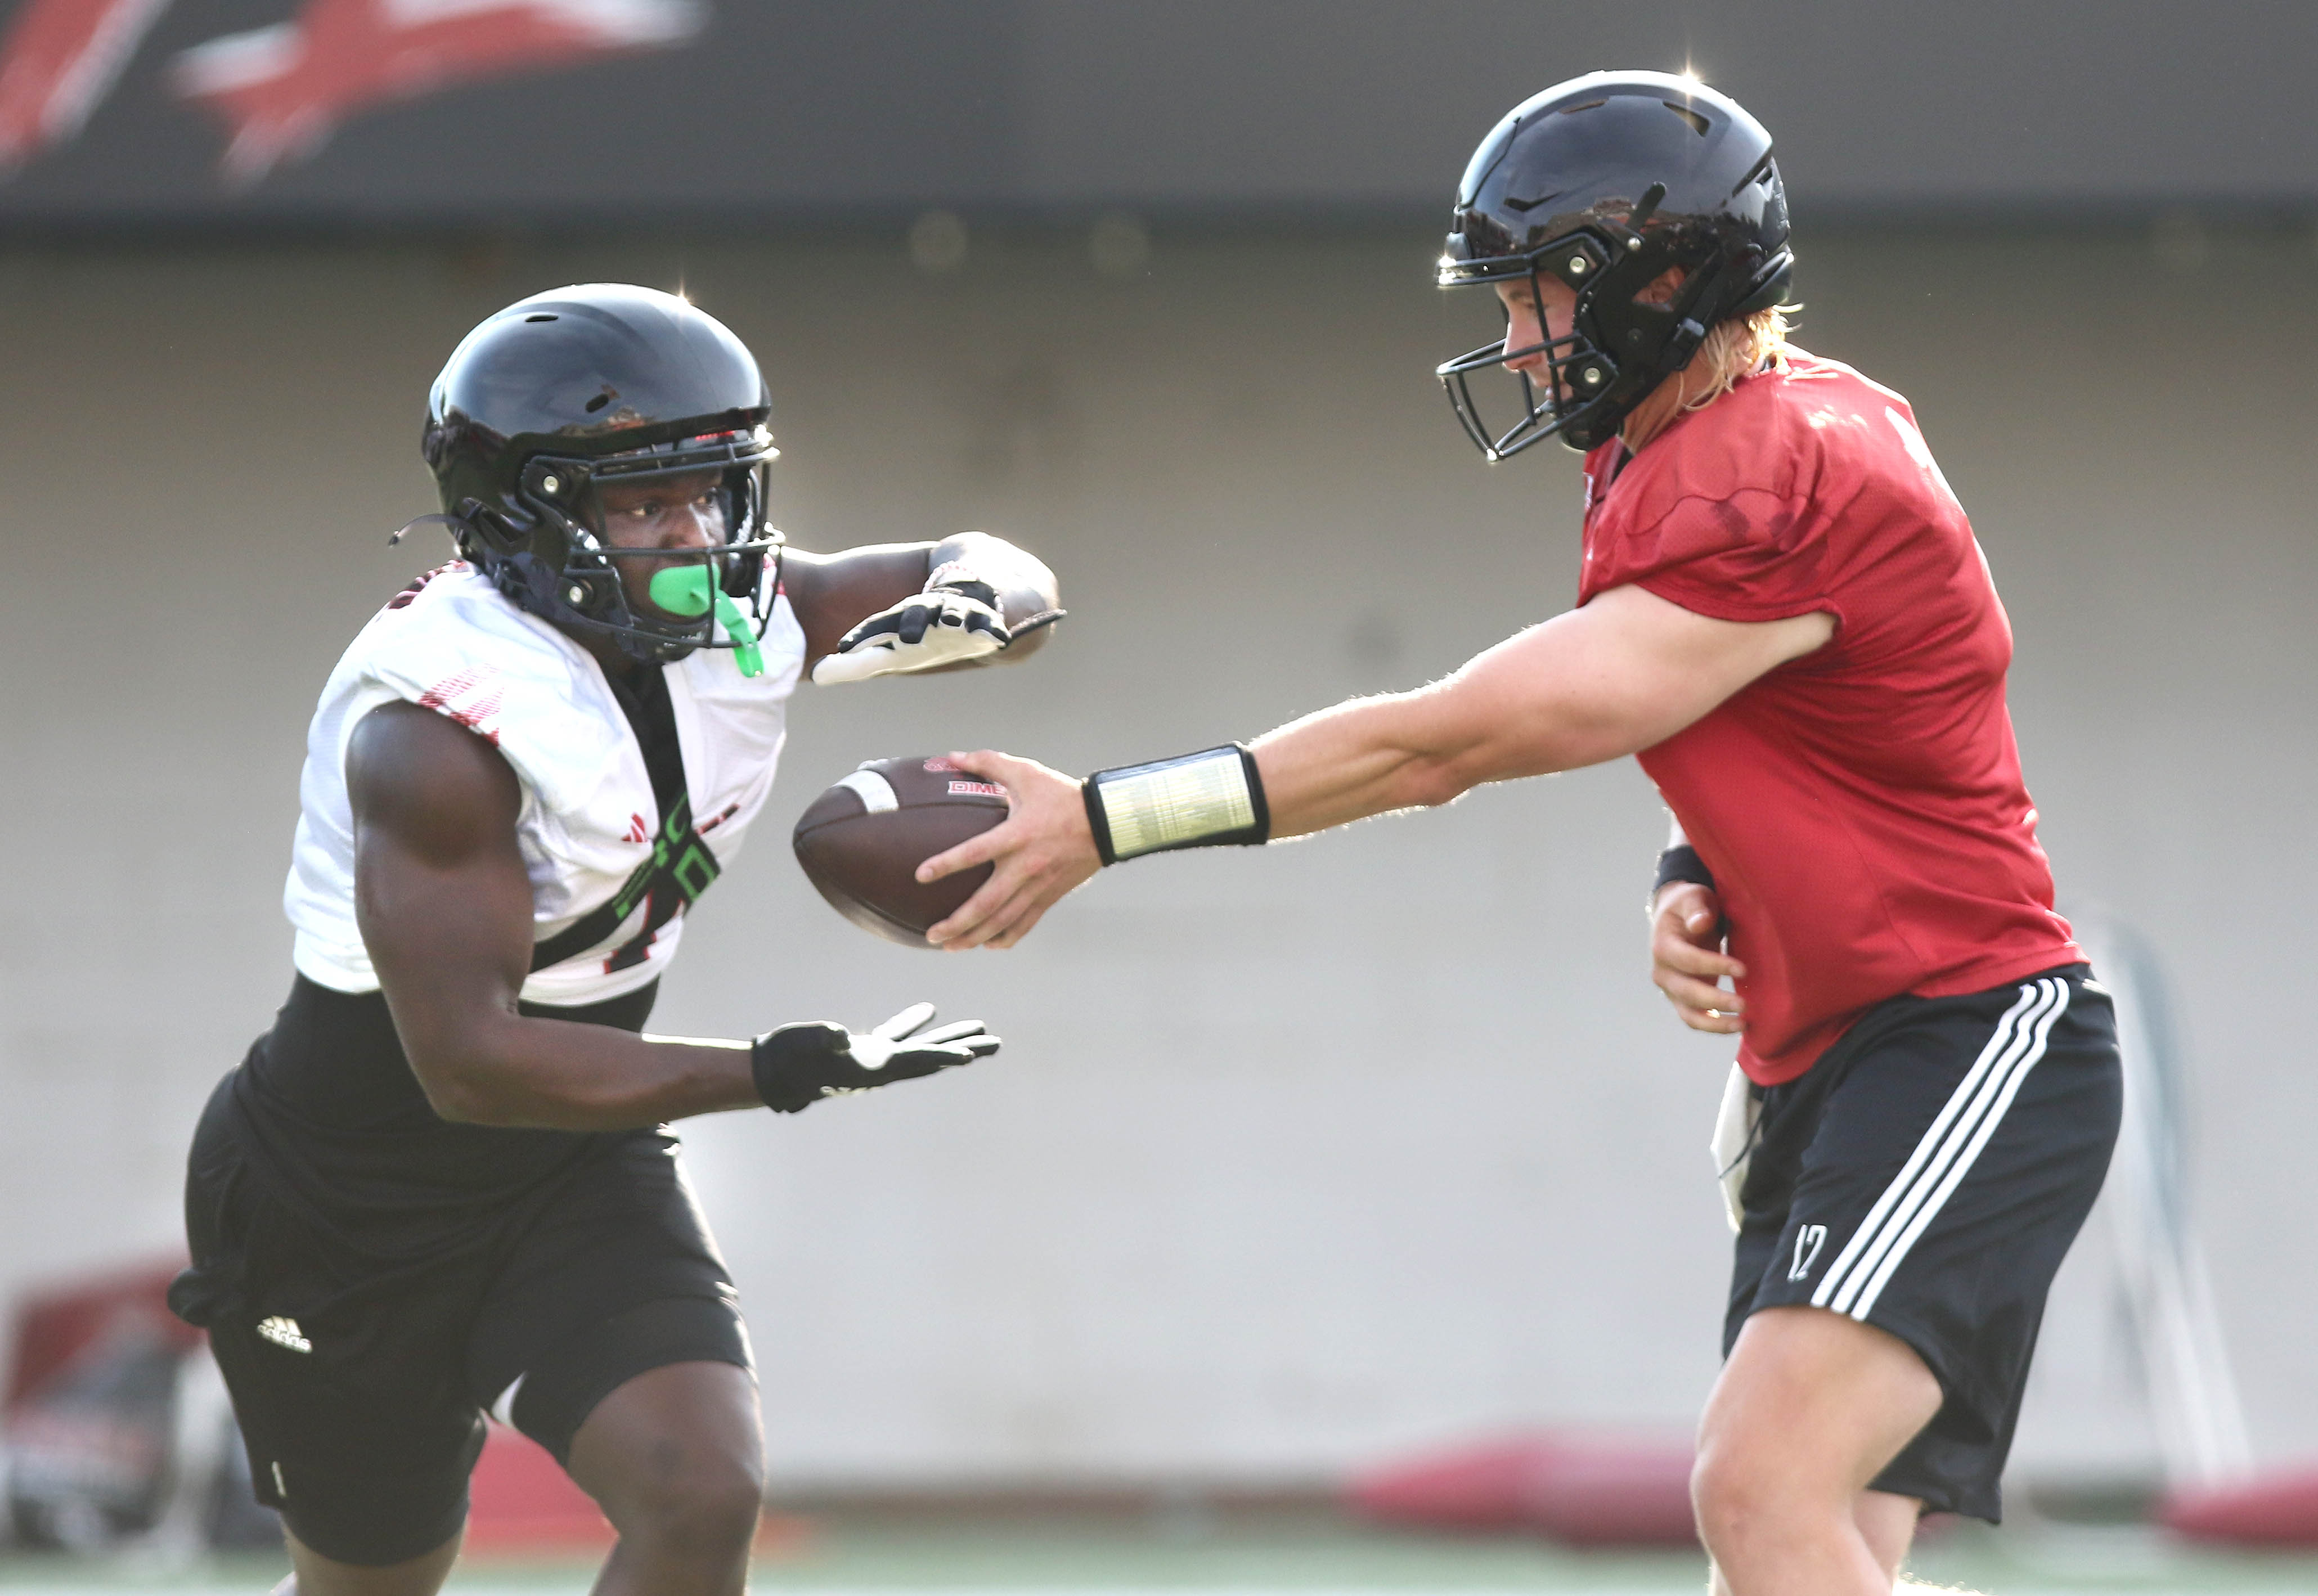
(1946, 1154)
(503, 1410)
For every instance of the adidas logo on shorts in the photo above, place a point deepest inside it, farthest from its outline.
(285, 1333)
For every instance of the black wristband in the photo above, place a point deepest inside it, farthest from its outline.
(1681, 863)
(1097, 823)
(788, 1066)
(1210, 799)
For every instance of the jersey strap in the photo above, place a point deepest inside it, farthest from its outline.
(681, 866)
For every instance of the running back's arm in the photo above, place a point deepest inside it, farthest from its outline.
(833, 593)
(444, 906)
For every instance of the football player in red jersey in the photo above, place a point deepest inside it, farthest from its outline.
(1783, 613)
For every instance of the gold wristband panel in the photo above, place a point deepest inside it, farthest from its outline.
(1176, 804)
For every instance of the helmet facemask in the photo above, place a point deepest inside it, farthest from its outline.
(1621, 345)
(562, 564)
(1577, 376)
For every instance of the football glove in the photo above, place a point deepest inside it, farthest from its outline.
(956, 619)
(799, 1064)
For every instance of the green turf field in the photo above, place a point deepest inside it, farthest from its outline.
(1168, 1556)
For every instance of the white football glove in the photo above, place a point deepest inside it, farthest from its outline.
(940, 626)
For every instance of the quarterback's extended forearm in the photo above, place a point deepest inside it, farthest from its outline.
(1572, 691)
(1367, 756)
(1506, 713)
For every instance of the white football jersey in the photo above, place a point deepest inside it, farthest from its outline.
(457, 646)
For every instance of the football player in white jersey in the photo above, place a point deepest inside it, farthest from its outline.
(440, 1185)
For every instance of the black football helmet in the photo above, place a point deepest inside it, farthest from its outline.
(602, 382)
(1604, 181)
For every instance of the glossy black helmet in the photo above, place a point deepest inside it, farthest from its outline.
(567, 390)
(1605, 182)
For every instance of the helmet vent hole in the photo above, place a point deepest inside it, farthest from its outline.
(600, 400)
(546, 317)
(1698, 124)
(1589, 105)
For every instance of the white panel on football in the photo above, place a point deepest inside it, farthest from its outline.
(876, 794)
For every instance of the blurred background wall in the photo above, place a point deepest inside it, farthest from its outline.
(1292, 1159)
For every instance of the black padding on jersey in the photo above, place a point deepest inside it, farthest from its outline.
(652, 715)
(681, 866)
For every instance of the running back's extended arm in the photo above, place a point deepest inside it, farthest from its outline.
(444, 906)
(833, 593)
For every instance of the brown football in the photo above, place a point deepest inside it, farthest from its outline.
(861, 842)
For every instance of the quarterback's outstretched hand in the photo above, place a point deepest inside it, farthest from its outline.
(953, 622)
(1687, 960)
(799, 1064)
(1041, 851)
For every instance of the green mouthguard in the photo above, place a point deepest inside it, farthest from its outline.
(686, 591)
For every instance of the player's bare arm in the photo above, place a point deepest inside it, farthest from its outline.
(1627, 670)
(889, 608)
(446, 911)
(1623, 673)
(444, 906)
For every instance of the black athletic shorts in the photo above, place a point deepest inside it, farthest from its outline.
(363, 1329)
(1926, 1176)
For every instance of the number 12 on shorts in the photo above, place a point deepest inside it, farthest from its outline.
(1808, 1243)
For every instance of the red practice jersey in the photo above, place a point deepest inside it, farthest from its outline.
(1861, 808)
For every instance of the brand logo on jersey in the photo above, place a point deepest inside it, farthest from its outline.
(637, 830)
(976, 790)
(1808, 1243)
(285, 1333)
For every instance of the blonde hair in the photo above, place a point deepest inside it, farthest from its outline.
(1736, 349)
